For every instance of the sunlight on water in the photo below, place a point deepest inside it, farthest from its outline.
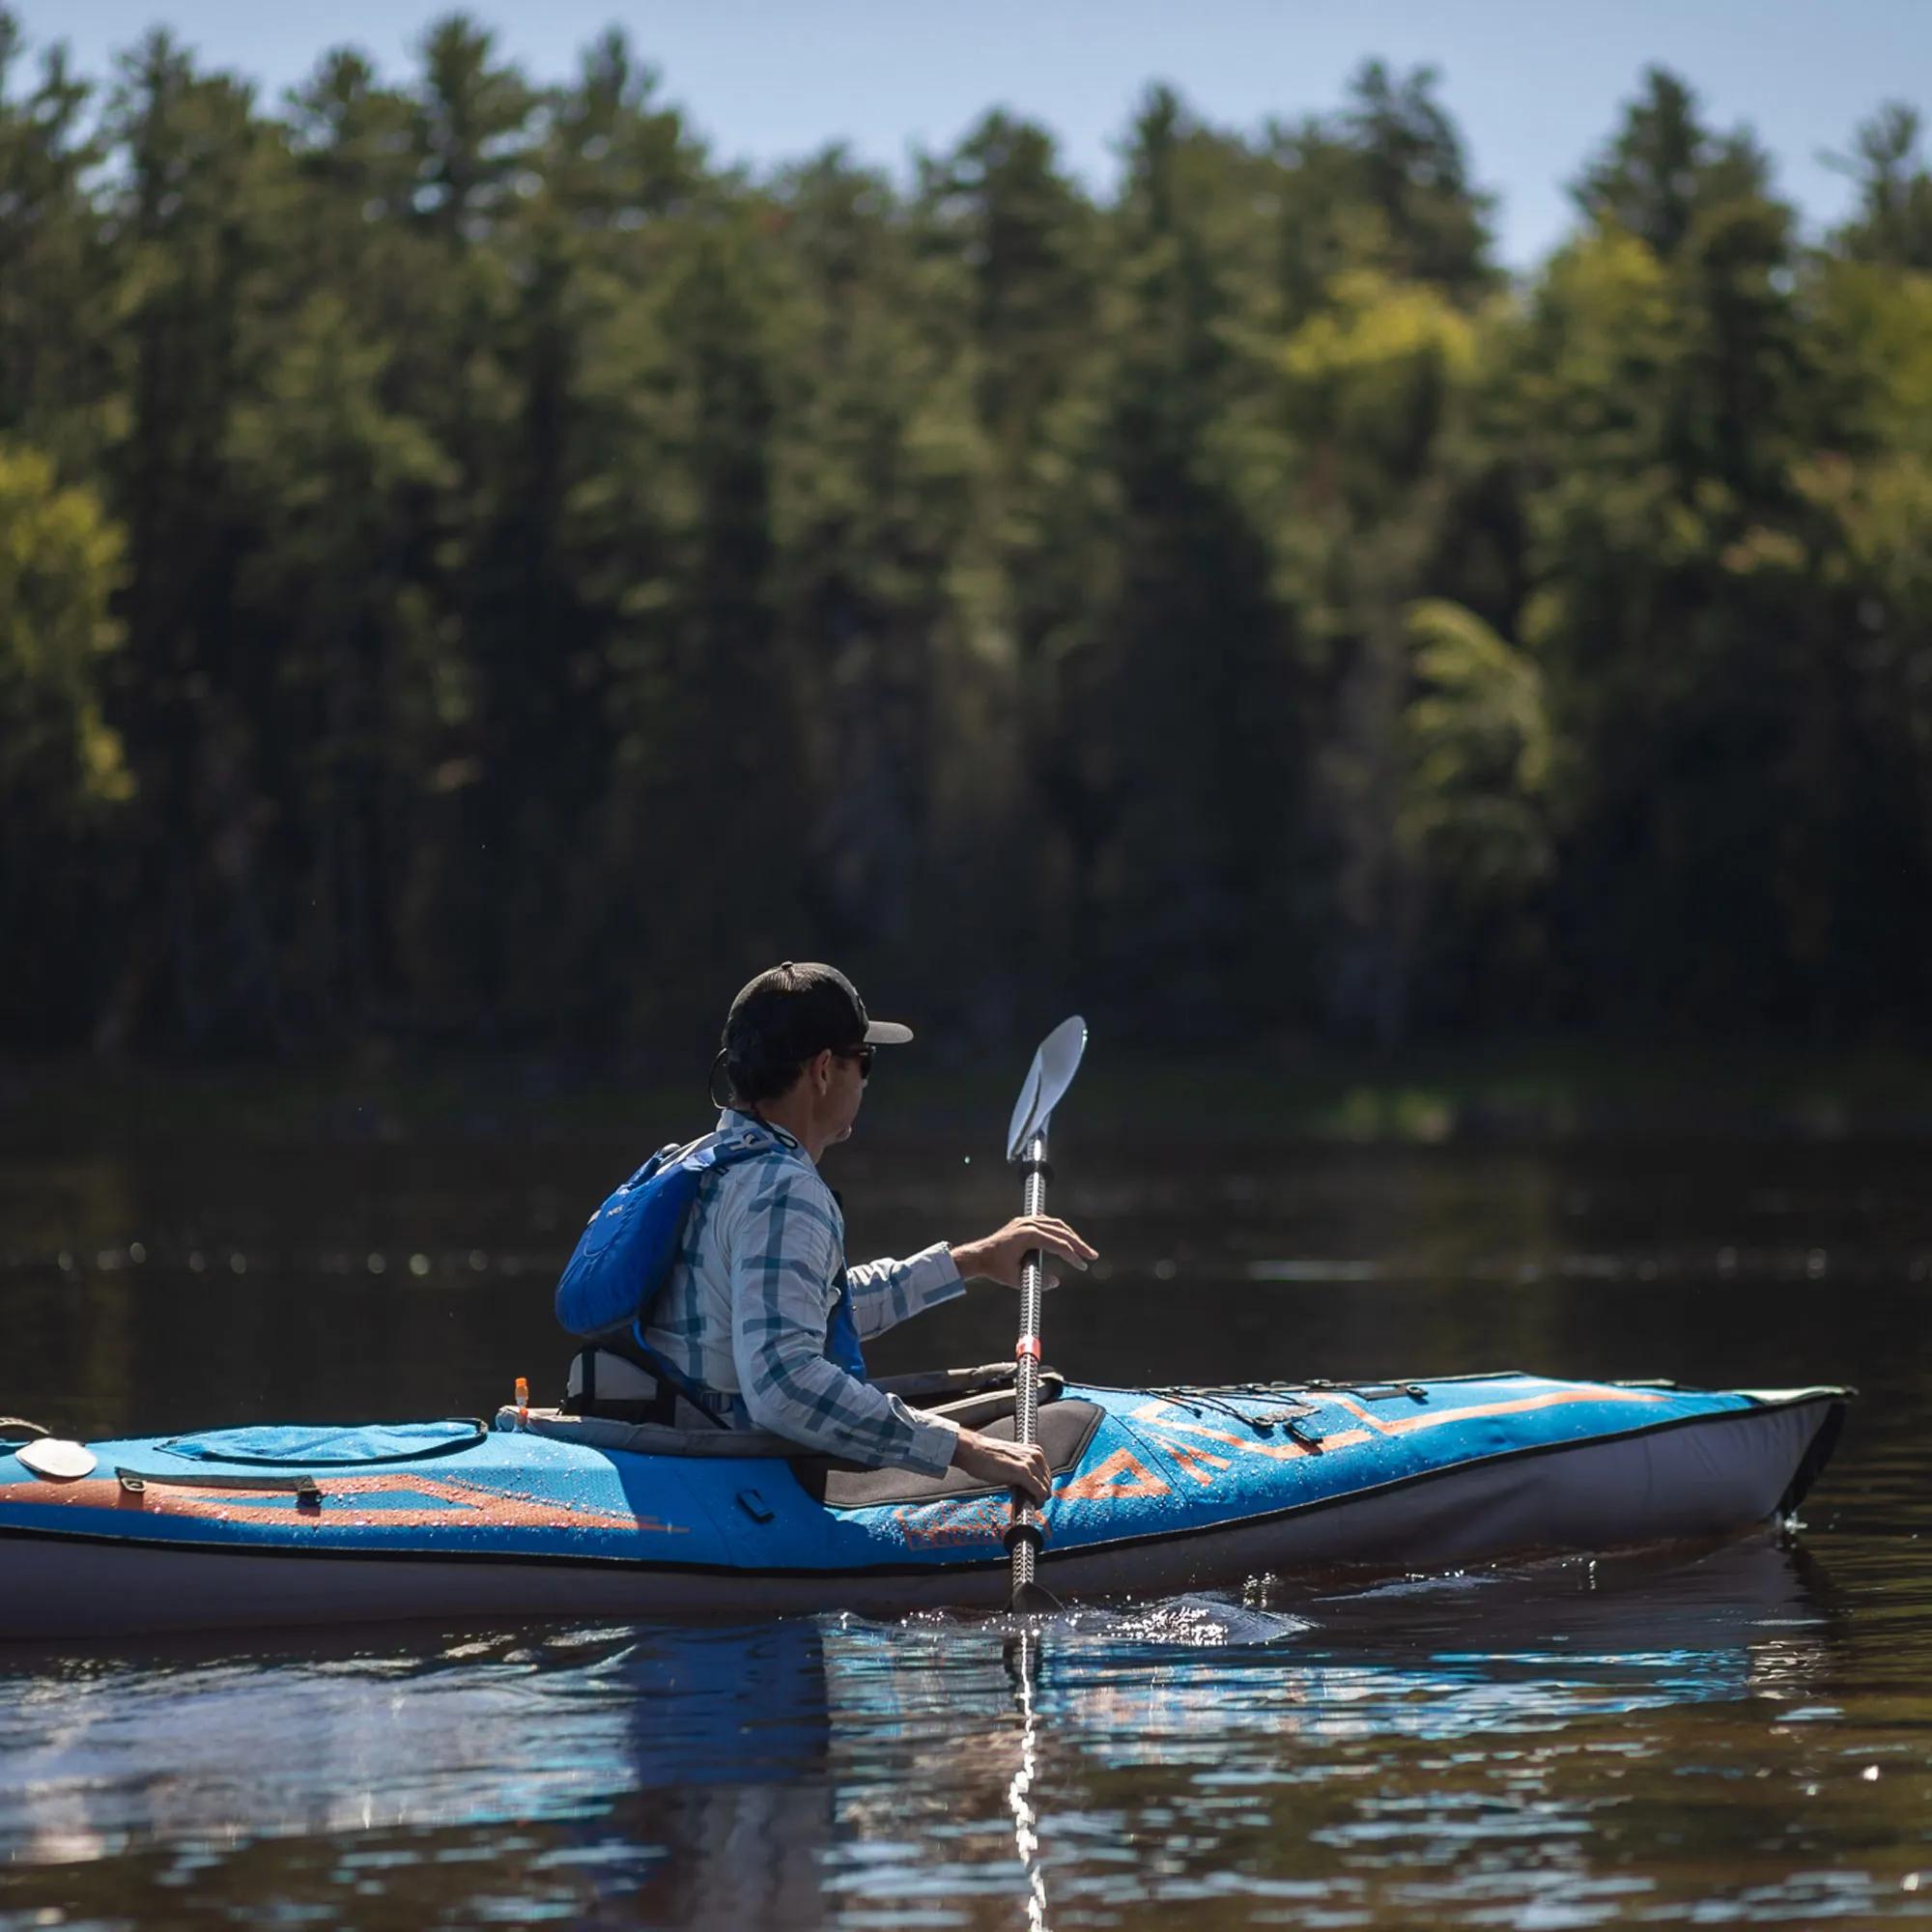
(958, 1759)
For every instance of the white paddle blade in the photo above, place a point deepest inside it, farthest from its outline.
(1047, 1080)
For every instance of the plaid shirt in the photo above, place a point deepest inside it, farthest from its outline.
(746, 1308)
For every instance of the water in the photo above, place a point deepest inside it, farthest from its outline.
(1728, 1737)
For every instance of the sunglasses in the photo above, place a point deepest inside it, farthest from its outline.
(864, 1055)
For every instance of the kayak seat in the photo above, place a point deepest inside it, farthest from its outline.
(627, 1392)
(974, 1397)
(1065, 1428)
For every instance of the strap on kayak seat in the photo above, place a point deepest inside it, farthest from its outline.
(606, 1380)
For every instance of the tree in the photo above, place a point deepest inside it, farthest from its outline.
(55, 306)
(1478, 750)
(1893, 223)
(64, 777)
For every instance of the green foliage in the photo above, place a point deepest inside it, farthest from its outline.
(60, 560)
(555, 573)
(65, 785)
(1479, 750)
(1894, 224)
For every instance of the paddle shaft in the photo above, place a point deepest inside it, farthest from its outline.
(1026, 1531)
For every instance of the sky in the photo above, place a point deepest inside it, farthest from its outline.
(1535, 89)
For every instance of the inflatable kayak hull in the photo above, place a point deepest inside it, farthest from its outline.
(1155, 1492)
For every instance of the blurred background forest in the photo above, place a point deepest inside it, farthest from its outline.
(474, 570)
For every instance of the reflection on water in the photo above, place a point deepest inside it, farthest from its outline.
(1022, 1654)
(831, 1770)
(1734, 1737)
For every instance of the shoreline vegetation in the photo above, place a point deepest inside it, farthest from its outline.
(477, 567)
(1451, 1093)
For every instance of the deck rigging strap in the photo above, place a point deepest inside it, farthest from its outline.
(135, 1481)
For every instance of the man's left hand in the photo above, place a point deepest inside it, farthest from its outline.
(1001, 1256)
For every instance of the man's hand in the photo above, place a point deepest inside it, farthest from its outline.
(1007, 1463)
(999, 1256)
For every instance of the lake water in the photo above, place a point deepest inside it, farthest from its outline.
(1744, 1737)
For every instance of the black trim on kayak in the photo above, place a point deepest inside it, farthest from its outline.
(1817, 1453)
(1836, 1398)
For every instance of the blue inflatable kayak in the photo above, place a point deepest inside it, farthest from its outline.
(1155, 1491)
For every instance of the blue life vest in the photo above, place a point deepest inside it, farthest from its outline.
(623, 1260)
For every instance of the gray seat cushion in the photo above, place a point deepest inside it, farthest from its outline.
(1065, 1428)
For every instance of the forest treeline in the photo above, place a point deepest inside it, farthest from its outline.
(473, 566)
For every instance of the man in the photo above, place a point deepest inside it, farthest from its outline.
(748, 1325)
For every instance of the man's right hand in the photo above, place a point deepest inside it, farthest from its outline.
(1008, 1465)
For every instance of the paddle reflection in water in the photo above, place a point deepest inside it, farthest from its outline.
(1022, 1657)
(833, 1770)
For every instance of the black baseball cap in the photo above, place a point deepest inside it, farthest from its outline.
(795, 1009)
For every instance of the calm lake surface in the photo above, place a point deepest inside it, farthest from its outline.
(1744, 1737)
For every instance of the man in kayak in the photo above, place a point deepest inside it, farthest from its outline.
(759, 1322)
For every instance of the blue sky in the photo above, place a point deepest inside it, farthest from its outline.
(1534, 88)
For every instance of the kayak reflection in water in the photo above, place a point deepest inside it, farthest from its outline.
(756, 1322)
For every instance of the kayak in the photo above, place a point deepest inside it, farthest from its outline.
(537, 1513)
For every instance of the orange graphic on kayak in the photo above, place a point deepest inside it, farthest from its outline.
(1520, 1405)
(935, 1524)
(447, 1504)
(1200, 1464)
(1121, 1474)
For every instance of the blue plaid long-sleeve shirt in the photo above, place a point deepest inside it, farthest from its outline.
(746, 1308)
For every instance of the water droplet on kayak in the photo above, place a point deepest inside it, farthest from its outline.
(418, 1266)
(378, 1264)
(238, 1264)
(478, 1260)
(136, 1253)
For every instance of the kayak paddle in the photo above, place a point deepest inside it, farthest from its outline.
(1047, 1080)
